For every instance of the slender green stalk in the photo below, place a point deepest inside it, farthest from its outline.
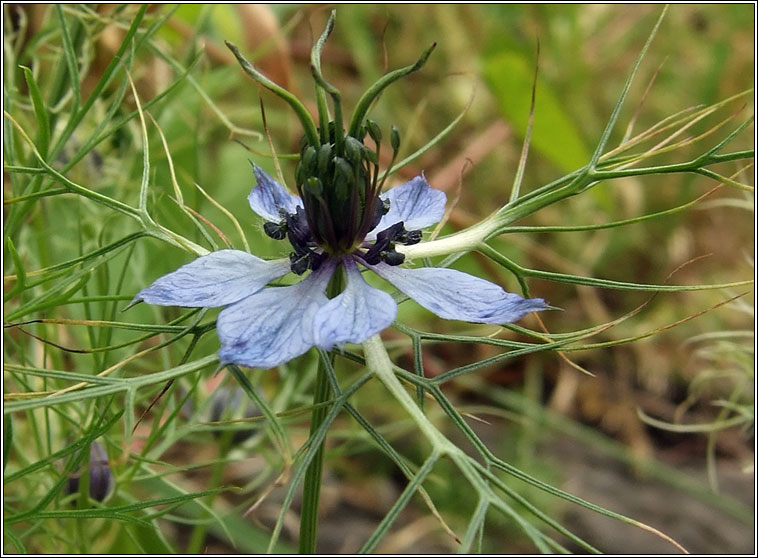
(361, 109)
(312, 482)
(200, 532)
(302, 113)
(117, 59)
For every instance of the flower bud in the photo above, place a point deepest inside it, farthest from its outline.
(101, 480)
(395, 138)
(228, 404)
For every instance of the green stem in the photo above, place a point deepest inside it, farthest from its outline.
(312, 481)
(199, 534)
(302, 113)
(359, 115)
(378, 361)
(321, 86)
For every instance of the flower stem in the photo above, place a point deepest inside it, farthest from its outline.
(312, 481)
(378, 361)
(199, 534)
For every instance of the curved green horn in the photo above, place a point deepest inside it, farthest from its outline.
(365, 102)
(302, 113)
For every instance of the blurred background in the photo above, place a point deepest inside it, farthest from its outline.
(621, 437)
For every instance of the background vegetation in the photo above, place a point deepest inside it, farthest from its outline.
(663, 429)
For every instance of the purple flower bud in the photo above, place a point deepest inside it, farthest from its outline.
(227, 403)
(101, 480)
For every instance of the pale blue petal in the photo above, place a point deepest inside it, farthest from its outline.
(415, 203)
(356, 314)
(274, 325)
(455, 295)
(216, 279)
(268, 197)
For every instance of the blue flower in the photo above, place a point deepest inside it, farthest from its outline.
(262, 327)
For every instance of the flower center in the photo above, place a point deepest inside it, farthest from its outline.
(339, 186)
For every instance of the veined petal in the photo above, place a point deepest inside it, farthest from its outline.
(216, 279)
(268, 197)
(415, 203)
(455, 295)
(354, 315)
(274, 325)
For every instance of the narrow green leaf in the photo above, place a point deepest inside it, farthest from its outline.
(399, 505)
(62, 375)
(428, 145)
(20, 283)
(40, 112)
(7, 439)
(100, 391)
(86, 192)
(69, 55)
(605, 137)
(311, 448)
(276, 426)
(55, 296)
(90, 255)
(98, 431)
(15, 541)
(116, 61)
(475, 525)
(594, 282)
(118, 513)
(35, 195)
